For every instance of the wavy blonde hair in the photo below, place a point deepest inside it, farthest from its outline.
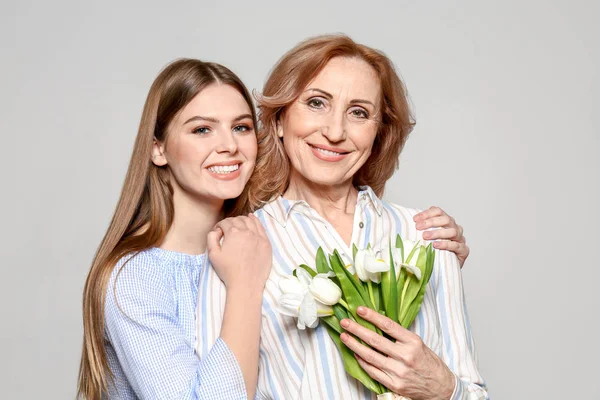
(145, 211)
(290, 76)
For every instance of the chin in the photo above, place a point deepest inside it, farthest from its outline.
(325, 179)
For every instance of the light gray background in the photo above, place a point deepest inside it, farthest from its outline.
(506, 96)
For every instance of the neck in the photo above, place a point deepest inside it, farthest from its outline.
(329, 201)
(193, 219)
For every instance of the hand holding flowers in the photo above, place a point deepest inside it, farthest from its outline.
(391, 281)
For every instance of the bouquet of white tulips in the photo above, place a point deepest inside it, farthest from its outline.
(392, 281)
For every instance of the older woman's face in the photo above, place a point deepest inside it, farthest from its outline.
(328, 133)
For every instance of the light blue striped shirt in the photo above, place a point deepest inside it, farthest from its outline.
(305, 364)
(150, 332)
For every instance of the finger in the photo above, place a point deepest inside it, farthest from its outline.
(444, 233)
(449, 245)
(371, 338)
(460, 249)
(243, 223)
(387, 325)
(225, 225)
(369, 355)
(445, 221)
(213, 241)
(375, 372)
(429, 213)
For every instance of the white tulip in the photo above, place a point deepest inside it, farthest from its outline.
(401, 262)
(324, 290)
(369, 265)
(307, 298)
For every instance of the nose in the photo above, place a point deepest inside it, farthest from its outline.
(335, 128)
(227, 143)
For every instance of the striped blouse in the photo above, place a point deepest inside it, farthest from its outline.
(305, 364)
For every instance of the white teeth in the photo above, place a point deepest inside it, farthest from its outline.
(224, 169)
(328, 152)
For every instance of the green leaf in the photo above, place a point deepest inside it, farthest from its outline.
(352, 366)
(321, 261)
(333, 323)
(307, 269)
(414, 308)
(389, 290)
(350, 291)
(400, 245)
(413, 289)
(355, 281)
(377, 296)
(354, 251)
(340, 312)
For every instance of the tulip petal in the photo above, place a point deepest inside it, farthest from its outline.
(413, 269)
(359, 265)
(304, 277)
(376, 265)
(291, 284)
(307, 315)
(289, 304)
(324, 290)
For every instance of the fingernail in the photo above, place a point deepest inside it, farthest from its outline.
(419, 225)
(426, 235)
(345, 323)
(361, 310)
(344, 336)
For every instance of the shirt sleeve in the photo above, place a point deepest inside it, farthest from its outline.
(458, 348)
(157, 359)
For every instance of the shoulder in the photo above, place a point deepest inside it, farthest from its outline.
(402, 218)
(404, 212)
(144, 266)
(140, 277)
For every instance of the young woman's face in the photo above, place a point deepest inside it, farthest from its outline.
(328, 133)
(211, 144)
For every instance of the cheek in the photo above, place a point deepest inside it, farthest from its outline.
(301, 123)
(185, 153)
(365, 138)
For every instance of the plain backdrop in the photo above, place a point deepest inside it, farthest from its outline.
(506, 97)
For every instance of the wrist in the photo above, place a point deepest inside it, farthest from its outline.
(451, 384)
(244, 292)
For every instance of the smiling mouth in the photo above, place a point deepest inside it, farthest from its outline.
(224, 169)
(328, 152)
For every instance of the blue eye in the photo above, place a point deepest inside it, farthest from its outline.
(203, 130)
(242, 128)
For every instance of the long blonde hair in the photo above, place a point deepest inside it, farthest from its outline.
(288, 78)
(144, 212)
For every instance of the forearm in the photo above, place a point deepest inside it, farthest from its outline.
(241, 331)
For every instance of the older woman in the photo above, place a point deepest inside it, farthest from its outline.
(335, 118)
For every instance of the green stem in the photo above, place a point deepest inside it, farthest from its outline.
(371, 295)
(404, 291)
(344, 304)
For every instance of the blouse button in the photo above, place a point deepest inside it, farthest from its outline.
(361, 225)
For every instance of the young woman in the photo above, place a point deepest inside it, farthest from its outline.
(194, 153)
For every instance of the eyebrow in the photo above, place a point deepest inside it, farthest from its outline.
(330, 97)
(216, 121)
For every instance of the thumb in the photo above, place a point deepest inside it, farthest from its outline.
(213, 241)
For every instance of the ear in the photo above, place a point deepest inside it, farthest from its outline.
(158, 154)
(279, 129)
